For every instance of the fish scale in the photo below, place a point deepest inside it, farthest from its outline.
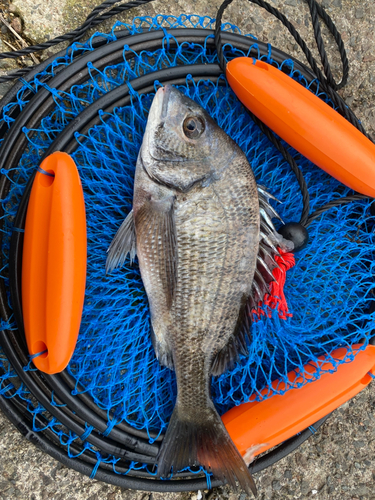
(192, 301)
(240, 202)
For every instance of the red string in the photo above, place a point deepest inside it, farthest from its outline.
(276, 298)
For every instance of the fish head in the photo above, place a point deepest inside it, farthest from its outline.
(182, 144)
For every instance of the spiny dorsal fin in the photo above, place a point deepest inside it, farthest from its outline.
(269, 240)
(123, 243)
(268, 231)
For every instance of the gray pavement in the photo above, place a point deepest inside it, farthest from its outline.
(337, 462)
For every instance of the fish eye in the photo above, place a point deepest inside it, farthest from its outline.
(193, 127)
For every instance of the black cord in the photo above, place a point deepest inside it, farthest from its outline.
(293, 165)
(334, 203)
(317, 11)
(327, 82)
(91, 21)
(315, 8)
(15, 74)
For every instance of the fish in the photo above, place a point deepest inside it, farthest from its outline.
(202, 231)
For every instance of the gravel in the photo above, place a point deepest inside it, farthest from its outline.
(336, 463)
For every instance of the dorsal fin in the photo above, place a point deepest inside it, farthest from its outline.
(269, 241)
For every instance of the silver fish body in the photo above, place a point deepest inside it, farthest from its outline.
(196, 224)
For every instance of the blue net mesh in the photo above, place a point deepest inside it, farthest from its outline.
(329, 291)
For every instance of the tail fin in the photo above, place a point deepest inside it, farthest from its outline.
(204, 441)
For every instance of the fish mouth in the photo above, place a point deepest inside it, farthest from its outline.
(156, 118)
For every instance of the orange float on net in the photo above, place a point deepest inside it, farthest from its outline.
(54, 263)
(305, 122)
(274, 420)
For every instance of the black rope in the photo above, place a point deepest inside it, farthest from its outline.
(16, 74)
(293, 165)
(89, 21)
(334, 203)
(92, 20)
(326, 80)
(317, 11)
(310, 58)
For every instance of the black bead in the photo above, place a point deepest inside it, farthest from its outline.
(293, 231)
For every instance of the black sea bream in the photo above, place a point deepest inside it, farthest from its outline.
(195, 226)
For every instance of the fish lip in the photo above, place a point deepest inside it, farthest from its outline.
(162, 100)
(157, 114)
(165, 93)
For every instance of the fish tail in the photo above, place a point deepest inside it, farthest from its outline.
(203, 440)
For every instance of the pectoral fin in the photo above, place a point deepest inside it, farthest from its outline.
(156, 229)
(123, 243)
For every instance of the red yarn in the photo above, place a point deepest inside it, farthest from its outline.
(276, 298)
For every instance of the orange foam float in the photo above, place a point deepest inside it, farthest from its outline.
(305, 122)
(54, 263)
(274, 420)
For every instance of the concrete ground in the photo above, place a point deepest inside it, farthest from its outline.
(338, 461)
